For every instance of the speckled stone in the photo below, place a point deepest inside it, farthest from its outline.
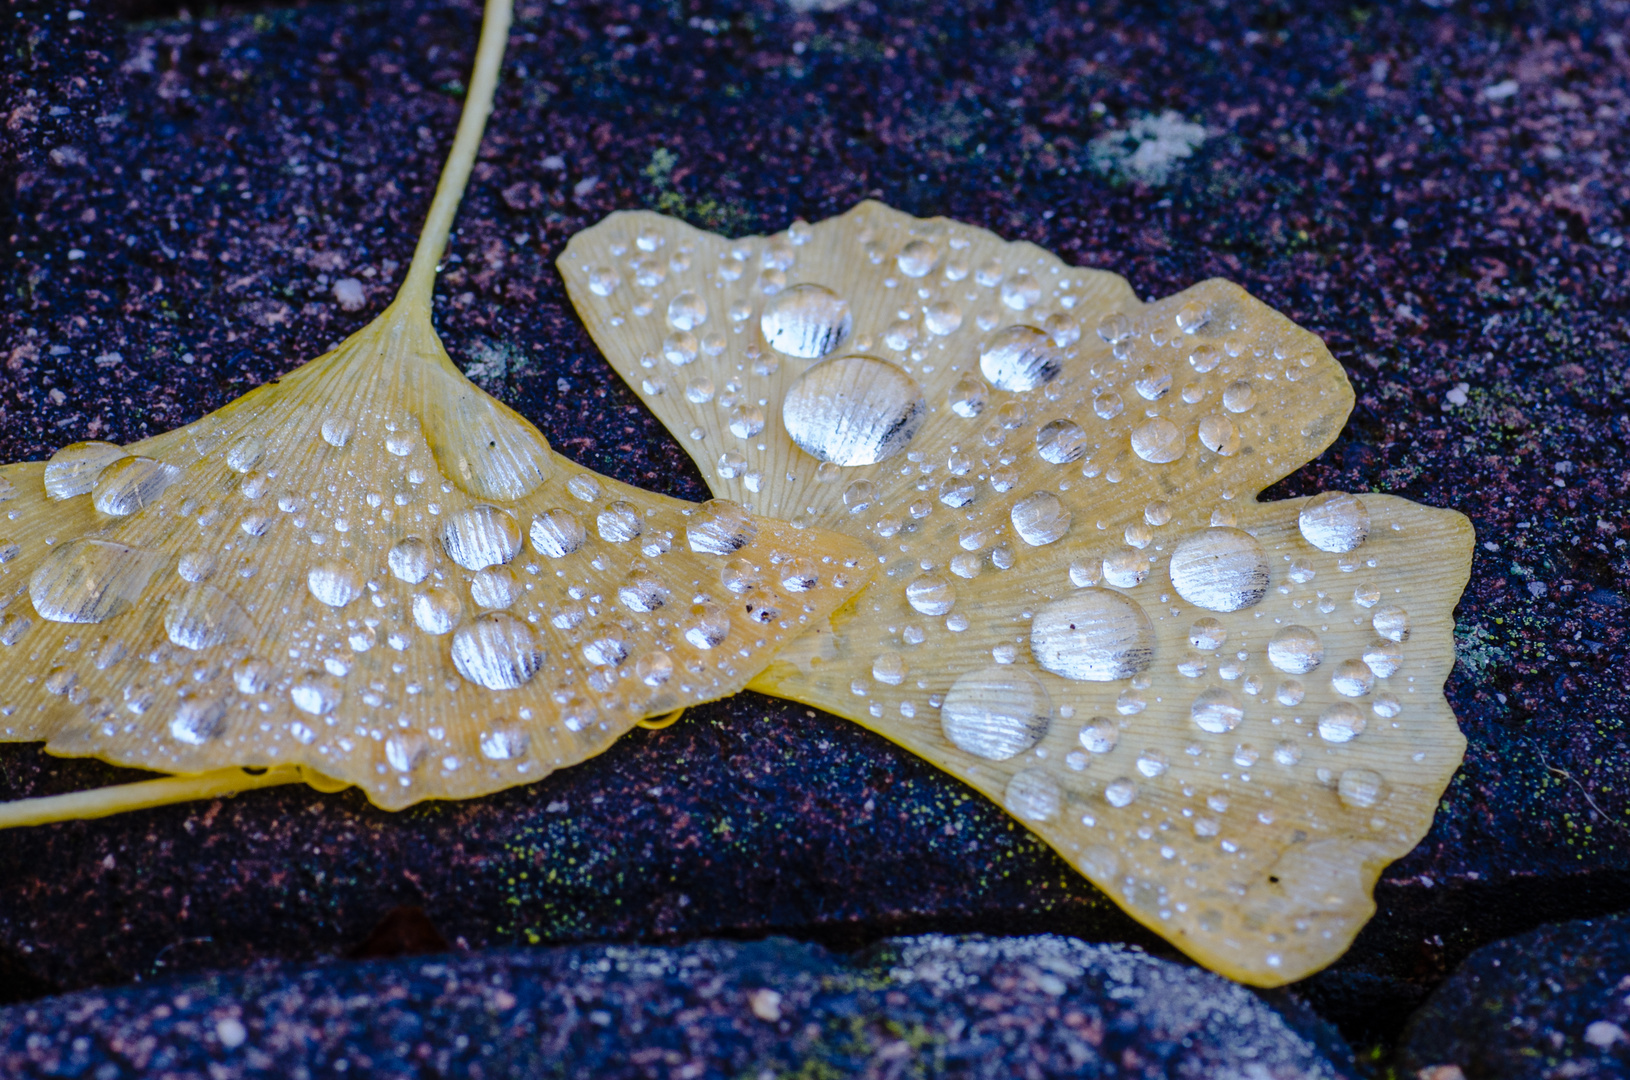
(1546, 1005)
(1438, 191)
(929, 1006)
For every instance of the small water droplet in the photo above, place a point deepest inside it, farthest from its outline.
(334, 582)
(1120, 792)
(603, 280)
(1099, 735)
(337, 430)
(1219, 435)
(1061, 442)
(1152, 382)
(996, 713)
(680, 348)
(497, 651)
(708, 625)
(1125, 568)
(687, 311)
(720, 527)
(1108, 406)
(1360, 789)
(1216, 710)
(410, 560)
(968, 396)
(495, 588)
(889, 668)
(203, 617)
(481, 536)
(1158, 440)
(437, 610)
(643, 592)
(1384, 658)
(317, 693)
(1040, 518)
(1238, 396)
(619, 522)
(1341, 722)
(806, 321)
(1391, 622)
(1021, 292)
(1207, 634)
(942, 317)
(1094, 635)
(197, 720)
(1352, 678)
(1032, 795)
(931, 594)
(917, 258)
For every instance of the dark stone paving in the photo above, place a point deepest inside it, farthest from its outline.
(1439, 191)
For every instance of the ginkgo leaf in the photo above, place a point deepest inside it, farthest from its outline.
(373, 571)
(1227, 714)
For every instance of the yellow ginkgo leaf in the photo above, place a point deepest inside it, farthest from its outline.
(370, 572)
(1228, 714)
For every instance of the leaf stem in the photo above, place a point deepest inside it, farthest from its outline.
(418, 288)
(119, 798)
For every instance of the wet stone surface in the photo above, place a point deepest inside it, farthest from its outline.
(1554, 1002)
(198, 205)
(1045, 1006)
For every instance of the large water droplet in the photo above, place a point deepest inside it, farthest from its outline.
(619, 522)
(1384, 658)
(557, 533)
(334, 582)
(997, 712)
(316, 693)
(410, 560)
(87, 581)
(942, 317)
(497, 651)
(437, 610)
(1295, 650)
(1158, 441)
(968, 396)
(719, 527)
(1216, 710)
(1219, 435)
(708, 625)
(481, 536)
(1040, 519)
(337, 430)
(855, 410)
(203, 617)
(931, 594)
(889, 668)
(1220, 569)
(1334, 521)
(643, 593)
(1391, 622)
(1099, 735)
(1120, 792)
(806, 321)
(1352, 678)
(1342, 722)
(495, 588)
(1032, 795)
(687, 311)
(1021, 292)
(1021, 358)
(917, 258)
(1061, 442)
(131, 483)
(197, 720)
(603, 280)
(1095, 635)
(74, 469)
(1360, 789)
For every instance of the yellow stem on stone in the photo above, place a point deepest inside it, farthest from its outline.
(417, 288)
(119, 798)
(661, 722)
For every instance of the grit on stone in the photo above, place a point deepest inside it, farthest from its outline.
(195, 206)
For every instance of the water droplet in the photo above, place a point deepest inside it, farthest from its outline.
(1384, 658)
(1040, 519)
(1108, 406)
(719, 527)
(1152, 763)
(1032, 795)
(1334, 521)
(1152, 382)
(337, 430)
(1352, 678)
(1063, 329)
(203, 617)
(437, 610)
(1191, 316)
(1360, 789)
(246, 454)
(1216, 710)
(967, 398)
(1114, 327)
(87, 581)
(605, 645)
(504, 744)
(917, 258)
(494, 588)
(958, 491)
(1204, 358)
(643, 593)
(603, 280)
(481, 536)
(619, 522)
(1366, 594)
(654, 668)
(1208, 634)
(1099, 735)
(556, 533)
(1391, 622)
(497, 651)
(687, 311)
(853, 411)
(132, 483)
(1021, 291)
(334, 582)
(1238, 396)
(1061, 442)
(996, 713)
(1120, 792)
(680, 348)
(74, 469)
(1295, 650)
(799, 575)
(806, 321)
(1126, 568)
(1157, 513)
(890, 668)
(1085, 572)
(1341, 722)
(1219, 435)
(198, 720)
(317, 693)
(708, 625)
(1158, 440)
(1094, 635)
(942, 318)
(1020, 358)
(1220, 569)
(410, 560)
(931, 594)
